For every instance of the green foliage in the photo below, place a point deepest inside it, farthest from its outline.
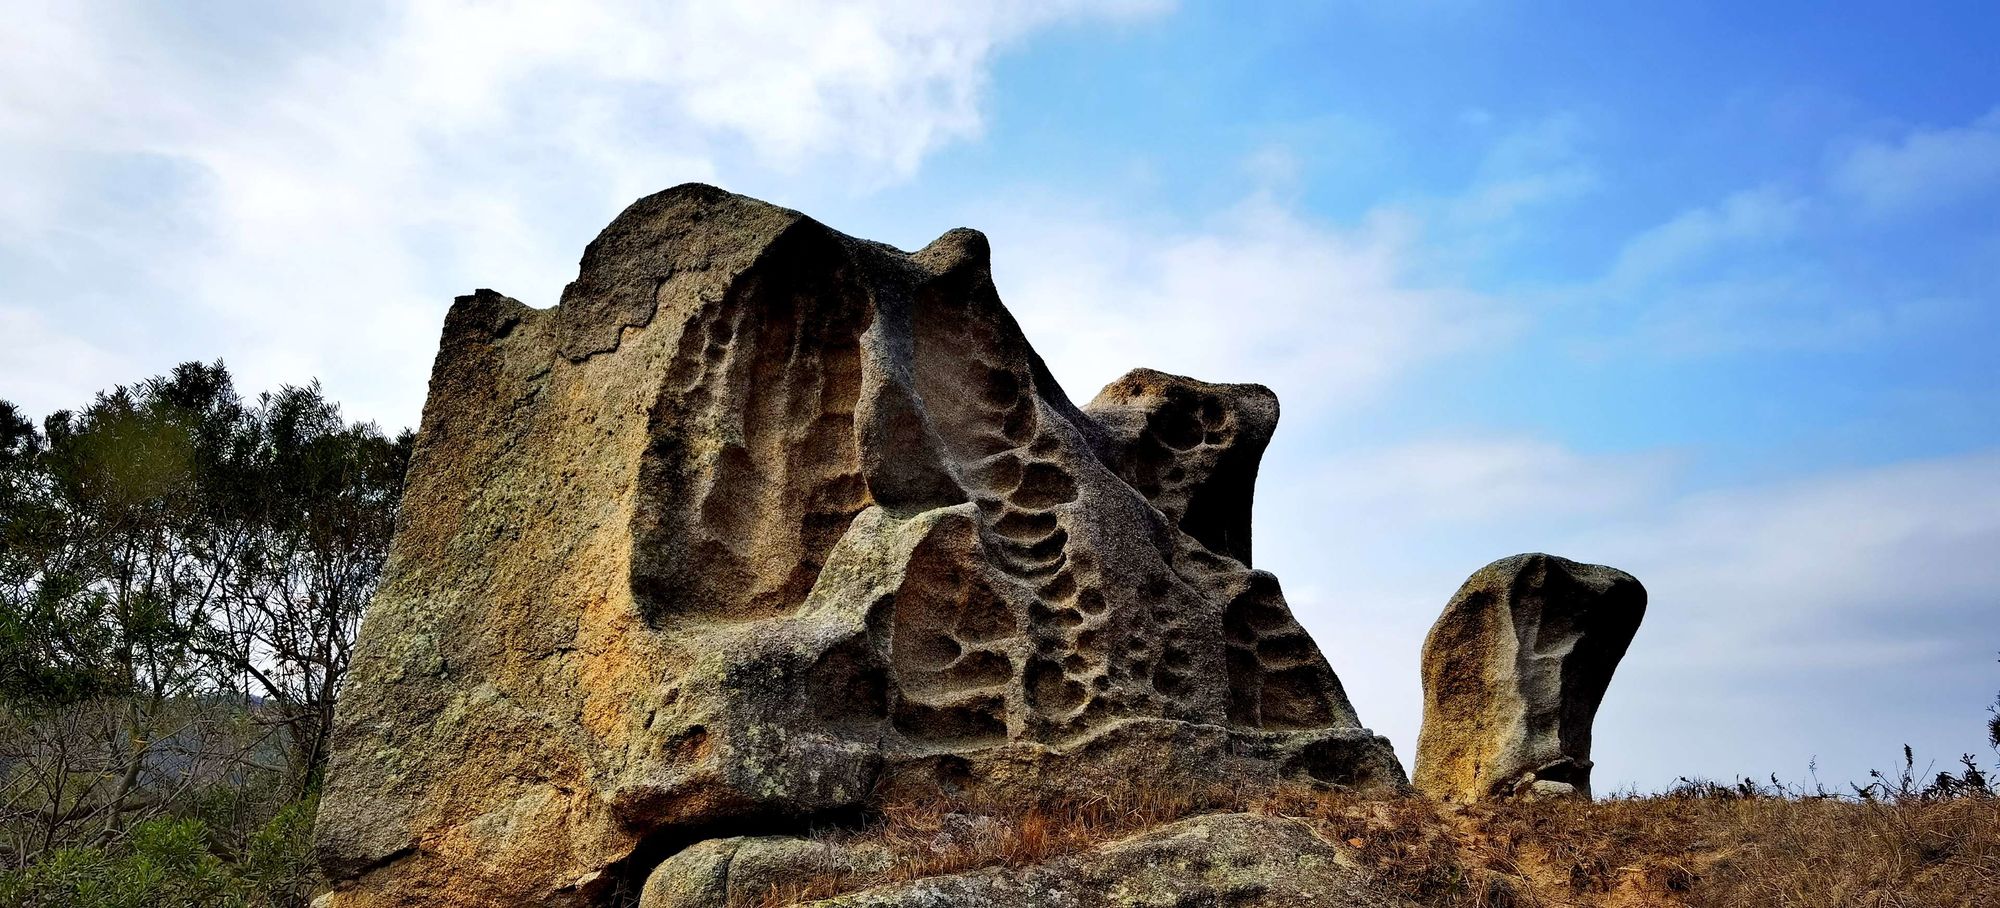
(182, 572)
(277, 861)
(165, 863)
(51, 637)
(172, 863)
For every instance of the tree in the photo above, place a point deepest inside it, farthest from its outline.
(182, 573)
(118, 560)
(323, 506)
(44, 661)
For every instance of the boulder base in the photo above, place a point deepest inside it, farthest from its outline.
(764, 523)
(1231, 859)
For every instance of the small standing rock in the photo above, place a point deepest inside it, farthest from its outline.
(1513, 672)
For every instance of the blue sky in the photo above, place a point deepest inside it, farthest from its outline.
(1706, 291)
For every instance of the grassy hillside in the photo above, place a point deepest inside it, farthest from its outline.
(1895, 843)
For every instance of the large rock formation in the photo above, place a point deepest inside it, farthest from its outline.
(1513, 672)
(764, 523)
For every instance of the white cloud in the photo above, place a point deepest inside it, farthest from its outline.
(1836, 617)
(342, 171)
(43, 363)
(1323, 315)
(1866, 548)
(1784, 615)
(885, 81)
(1925, 168)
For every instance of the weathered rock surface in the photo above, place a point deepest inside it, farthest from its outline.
(1221, 859)
(1513, 673)
(745, 870)
(764, 523)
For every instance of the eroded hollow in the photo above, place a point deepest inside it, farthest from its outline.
(740, 530)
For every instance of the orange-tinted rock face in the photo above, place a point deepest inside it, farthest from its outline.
(1513, 672)
(764, 522)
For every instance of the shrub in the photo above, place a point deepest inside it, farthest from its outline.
(165, 863)
(173, 863)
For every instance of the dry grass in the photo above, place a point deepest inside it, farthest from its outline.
(1702, 847)
(1675, 850)
(933, 838)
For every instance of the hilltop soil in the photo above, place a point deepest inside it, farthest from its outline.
(1699, 847)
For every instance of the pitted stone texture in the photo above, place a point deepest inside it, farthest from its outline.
(1191, 448)
(1513, 673)
(764, 520)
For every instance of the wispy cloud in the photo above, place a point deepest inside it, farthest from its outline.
(1788, 615)
(1867, 591)
(1863, 549)
(1772, 268)
(1922, 169)
(1752, 218)
(1538, 162)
